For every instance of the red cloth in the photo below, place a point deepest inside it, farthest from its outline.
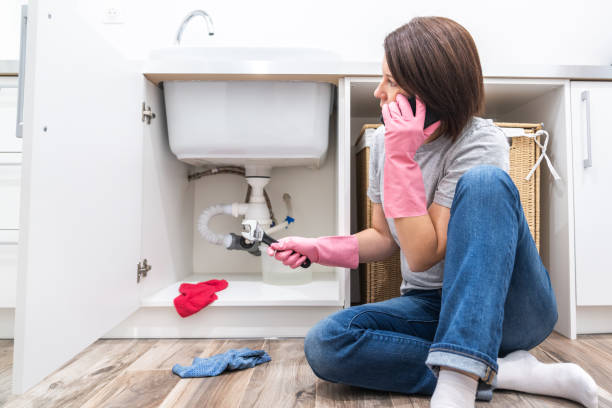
(194, 297)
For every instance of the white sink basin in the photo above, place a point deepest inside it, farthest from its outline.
(242, 122)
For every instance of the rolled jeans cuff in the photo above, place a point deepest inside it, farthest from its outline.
(461, 359)
(451, 358)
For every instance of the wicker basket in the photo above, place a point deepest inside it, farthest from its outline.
(381, 280)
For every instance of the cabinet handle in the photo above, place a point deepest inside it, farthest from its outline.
(585, 97)
(21, 79)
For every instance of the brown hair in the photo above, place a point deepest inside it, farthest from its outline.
(436, 58)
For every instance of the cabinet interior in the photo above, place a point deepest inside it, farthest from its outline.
(508, 100)
(177, 252)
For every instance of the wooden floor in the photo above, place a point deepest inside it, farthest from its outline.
(137, 373)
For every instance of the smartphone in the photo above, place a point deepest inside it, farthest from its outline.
(430, 116)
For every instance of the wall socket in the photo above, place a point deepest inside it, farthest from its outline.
(112, 15)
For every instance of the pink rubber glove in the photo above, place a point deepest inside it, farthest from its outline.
(331, 251)
(404, 191)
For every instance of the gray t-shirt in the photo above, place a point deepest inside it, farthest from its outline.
(442, 163)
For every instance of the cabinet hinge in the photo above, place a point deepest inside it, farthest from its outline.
(147, 113)
(142, 269)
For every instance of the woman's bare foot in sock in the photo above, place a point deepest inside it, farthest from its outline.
(521, 371)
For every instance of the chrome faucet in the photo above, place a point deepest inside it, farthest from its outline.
(209, 24)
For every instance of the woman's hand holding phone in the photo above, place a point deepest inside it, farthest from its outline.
(404, 192)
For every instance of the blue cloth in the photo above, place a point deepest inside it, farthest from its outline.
(496, 297)
(233, 359)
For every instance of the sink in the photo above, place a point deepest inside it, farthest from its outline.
(273, 123)
(241, 121)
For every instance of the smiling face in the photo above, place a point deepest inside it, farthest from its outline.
(387, 89)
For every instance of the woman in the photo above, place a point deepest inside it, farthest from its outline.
(475, 294)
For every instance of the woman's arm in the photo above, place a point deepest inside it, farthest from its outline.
(423, 238)
(376, 243)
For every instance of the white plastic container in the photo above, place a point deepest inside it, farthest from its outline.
(277, 123)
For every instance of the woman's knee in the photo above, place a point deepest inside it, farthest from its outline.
(548, 323)
(549, 320)
(322, 345)
(530, 333)
(487, 179)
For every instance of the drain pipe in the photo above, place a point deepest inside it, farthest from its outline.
(257, 176)
(288, 219)
(231, 240)
(234, 209)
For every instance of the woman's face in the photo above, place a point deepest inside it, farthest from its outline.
(387, 89)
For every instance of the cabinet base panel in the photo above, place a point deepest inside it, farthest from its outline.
(225, 322)
(249, 290)
(593, 319)
(7, 323)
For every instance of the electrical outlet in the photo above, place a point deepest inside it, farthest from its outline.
(112, 15)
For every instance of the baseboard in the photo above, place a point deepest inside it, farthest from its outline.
(7, 323)
(593, 319)
(221, 322)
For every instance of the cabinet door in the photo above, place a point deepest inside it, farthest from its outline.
(592, 190)
(80, 211)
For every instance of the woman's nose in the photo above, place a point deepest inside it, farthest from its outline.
(378, 93)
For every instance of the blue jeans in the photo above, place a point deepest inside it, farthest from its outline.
(496, 297)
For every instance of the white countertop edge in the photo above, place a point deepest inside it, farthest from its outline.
(602, 72)
(334, 68)
(349, 68)
(365, 68)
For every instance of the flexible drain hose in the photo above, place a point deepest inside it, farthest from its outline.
(210, 236)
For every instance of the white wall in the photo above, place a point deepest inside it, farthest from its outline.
(518, 31)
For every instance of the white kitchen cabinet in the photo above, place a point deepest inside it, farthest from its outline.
(592, 167)
(528, 101)
(101, 191)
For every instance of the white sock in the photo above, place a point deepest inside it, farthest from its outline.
(520, 371)
(454, 390)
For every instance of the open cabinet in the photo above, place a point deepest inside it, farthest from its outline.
(177, 253)
(516, 100)
(101, 192)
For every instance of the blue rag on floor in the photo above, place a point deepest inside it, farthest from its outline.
(233, 359)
